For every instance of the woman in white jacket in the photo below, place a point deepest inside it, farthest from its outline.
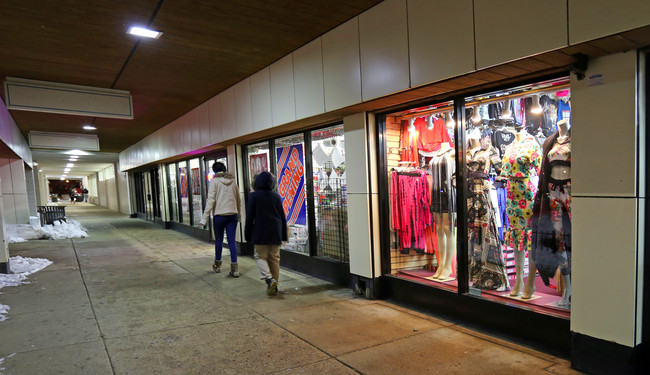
(225, 207)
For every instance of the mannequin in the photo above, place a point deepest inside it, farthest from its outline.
(521, 162)
(563, 172)
(551, 220)
(442, 167)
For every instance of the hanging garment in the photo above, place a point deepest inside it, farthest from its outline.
(487, 265)
(521, 161)
(410, 201)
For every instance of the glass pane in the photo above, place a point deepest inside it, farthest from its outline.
(330, 193)
(258, 160)
(185, 192)
(197, 206)
(290, 156)
(173, 189)
(421, 163)
(519, 195)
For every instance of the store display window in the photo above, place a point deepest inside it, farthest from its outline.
(421, 163)
(505, 168)
(258, 160)
(184, 189)
(518, 164)
(195, 185)
(290, 174)
(330, 193)
(173, 192)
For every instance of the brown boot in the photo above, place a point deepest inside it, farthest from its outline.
(234, 270)
(217, 266)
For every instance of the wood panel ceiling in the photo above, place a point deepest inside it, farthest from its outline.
(207, 46)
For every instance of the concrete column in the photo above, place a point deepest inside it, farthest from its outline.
(4, 250)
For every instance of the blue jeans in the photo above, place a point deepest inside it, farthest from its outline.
(229, 223)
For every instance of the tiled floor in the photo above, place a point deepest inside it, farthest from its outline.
(136, 299)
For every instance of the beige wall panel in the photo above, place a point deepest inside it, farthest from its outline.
(283, 103)
(441, 44)
(604, 264)
(123, 193)
(214, 108)
(22, 208)
(243, 108)
(383, 39)
(9, 209)
(604, 128)
(341, 66)
(228, 116)
(592, 19)
(355, 153)
(308, 79)
(507, 30)
(5, 176)
(359, 235)
(261, 99)
(200, 117)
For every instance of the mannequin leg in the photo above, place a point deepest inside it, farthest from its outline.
(566, 295)
(529, 288)
(446, 247)
(520, 257)
(442, 253)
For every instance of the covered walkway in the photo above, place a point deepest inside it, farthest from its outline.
(136, 299)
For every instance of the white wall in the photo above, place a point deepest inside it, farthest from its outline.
(124, 200)
(607, 207)
(14, 191)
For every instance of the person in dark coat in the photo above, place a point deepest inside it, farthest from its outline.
(266, 228)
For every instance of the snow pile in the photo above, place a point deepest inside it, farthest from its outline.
(25, 232)
(20, 268)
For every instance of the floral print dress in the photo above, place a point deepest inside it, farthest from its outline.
(521, 161)
(487, 268)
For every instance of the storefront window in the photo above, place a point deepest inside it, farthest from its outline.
(184, 192)
(197, 206)
(258, 160)
(290, 167)
(519, 195)
(330, 193)
(421, 166)
(173, 191)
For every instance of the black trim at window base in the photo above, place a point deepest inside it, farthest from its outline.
(199, 233)
(596, 356)
(332, 271)
(520, 325)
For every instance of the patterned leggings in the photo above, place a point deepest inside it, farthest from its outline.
(559, 193)
(519, 209)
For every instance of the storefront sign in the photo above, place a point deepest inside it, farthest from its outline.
(258, 163)
(291, 183)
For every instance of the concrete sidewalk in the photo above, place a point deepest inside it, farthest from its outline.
(136, 299)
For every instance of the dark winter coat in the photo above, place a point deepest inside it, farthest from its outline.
(266, 223)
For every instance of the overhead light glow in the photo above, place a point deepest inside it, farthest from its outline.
(69, 165)
(35, 163)
(89, 127)
(40, 170)
(76, 152)
(537, 107)
(147, 33)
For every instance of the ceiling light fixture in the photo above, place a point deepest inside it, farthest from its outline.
(147, 33)
(69, 165)
(412, 124)
(89, 127)
(450, 120)
(536, 108)
(40, 170)
(506, 113)
(476, 117)
(35, 163)
(76, 152)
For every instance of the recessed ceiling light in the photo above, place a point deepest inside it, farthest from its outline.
(76, 152)
(69, 165)
(147, 33)
(89, 127)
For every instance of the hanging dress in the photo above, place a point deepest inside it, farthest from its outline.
(487, 269)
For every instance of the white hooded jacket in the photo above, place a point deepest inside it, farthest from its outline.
(223, 196)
